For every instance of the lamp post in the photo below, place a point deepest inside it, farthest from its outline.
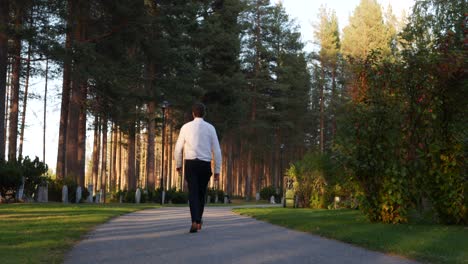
(164, 105)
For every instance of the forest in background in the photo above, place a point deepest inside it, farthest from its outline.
(378, 108)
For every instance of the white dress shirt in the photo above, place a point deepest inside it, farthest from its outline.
(198, 140)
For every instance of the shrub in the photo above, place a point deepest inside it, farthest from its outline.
(33, 171)
(179, 197)
(10, 178)
(55, 190)
(267, 192)
(212, 192)
(309, 179)
(12, 174)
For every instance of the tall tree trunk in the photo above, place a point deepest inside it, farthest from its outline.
(66, 88)
(170, 154)
(150, 156)
(7, 106)
(96, 149)
(4, 15)
(119, 179)
(131, 179)
(114, 158)
(77, 113)
(45, 111)
(25, 98)
(334, 103)
(104, 157)
(81, 155)
(322, 113)
(15, 82)
(138, 154)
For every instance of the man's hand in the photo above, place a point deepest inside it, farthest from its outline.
(216, 176)
(179, 170)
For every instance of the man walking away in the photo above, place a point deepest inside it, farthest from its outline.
(198, 141)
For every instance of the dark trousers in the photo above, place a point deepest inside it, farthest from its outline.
(197, 175)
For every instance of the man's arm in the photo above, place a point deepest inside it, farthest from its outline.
(217, 154)
(178, 149)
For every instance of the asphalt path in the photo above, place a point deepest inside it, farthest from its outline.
(161, 236)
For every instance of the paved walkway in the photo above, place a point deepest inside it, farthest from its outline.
(161, 236)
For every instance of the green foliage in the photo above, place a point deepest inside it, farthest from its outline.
(176, 196)
(33, 173)
(212, 192)
(267, 192)
(12, 174)
(10, 177)
(366, 31)
(310, 183)
(402, 138)
(55, 190)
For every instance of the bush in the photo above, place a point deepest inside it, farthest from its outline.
(55, 190)
(13, 172)
(10, 178)
(33, 172)
(309, 179)
(179, 197)
(267, 192)
(212, 192)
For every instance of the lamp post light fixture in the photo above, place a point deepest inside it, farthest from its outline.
(164, 106)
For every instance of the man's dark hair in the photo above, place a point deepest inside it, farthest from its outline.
(198, 110)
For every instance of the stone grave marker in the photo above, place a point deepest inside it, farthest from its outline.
(64, 194)
(272, 199)
(78, 194)
(138, 196)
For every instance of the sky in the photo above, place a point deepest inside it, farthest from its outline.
(305, 12)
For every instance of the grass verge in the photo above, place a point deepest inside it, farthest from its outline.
(43, 233)
(422, 242)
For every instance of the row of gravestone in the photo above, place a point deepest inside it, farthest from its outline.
(99, 197)
(42, 195)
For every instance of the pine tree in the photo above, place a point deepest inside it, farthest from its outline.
(366, 31)
(4, 19)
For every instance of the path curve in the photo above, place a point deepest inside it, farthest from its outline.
(161, 236)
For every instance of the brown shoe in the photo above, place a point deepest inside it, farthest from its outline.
(194, 228)
(199, 226)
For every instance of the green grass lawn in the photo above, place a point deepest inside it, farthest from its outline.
(43, 233)
(423, 242)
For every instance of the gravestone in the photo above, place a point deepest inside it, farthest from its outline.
(64, 194)
(20, 193)
(120, 198)
(163, 197)
(336, 201)
(101, 196)
(208, 199)
(91, 193)
(216, 198)
(97, 199)
(42, 194)
(45, 195)
(226, 199)
(38, 197)
(78, 194)
(257, 197)
(272, 199)
(138, 196)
